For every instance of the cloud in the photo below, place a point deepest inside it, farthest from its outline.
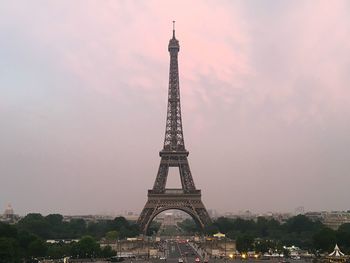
(300, 63)
(264, 89)
(110, 47)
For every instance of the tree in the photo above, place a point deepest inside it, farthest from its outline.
(98, 229)
(262, 227)
(112, 235)
(301, 223)
(266, 227)
(9, 250)
(153, 228)
(7, 230)
(37, 248)
(224, 224)
(76, 228)
(107, 252)
(87, 247)
(344, 228)
(325, 239)
(25, 238)
(189, 226)
(244, 226)
(54, 219)
(343, 236)
(56, 251)
(35, 223)
(263, 246)
(211, 229)
(56, 227)
(245, 243)
(120, 222)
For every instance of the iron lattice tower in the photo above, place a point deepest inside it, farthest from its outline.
(174, 154)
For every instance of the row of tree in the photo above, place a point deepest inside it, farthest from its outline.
(27, 238)
(264, 234)
(54, 227)
(26, 246)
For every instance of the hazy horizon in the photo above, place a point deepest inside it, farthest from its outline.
(264, 91)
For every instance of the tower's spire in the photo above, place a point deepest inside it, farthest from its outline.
(173, 43)
(173, 28)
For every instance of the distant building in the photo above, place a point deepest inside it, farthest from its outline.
(9, 211)
(87, 218)
(169, 219)
(332, 219)
(213, 213)
(280, 217)
(315, 216)
(247, 215)
(9, 215)
(335, 219)
(299, 210)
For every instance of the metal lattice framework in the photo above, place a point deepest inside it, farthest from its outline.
(174, 154)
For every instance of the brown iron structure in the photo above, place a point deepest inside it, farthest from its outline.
(174, 154)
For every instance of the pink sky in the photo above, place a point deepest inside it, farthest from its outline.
(264, 88)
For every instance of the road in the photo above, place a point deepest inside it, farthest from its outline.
(174, 250)
(173, 258)
(177, 250)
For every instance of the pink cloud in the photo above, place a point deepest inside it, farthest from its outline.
(116, 42)
(303, 74)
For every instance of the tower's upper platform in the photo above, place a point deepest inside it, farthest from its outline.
(173, 43)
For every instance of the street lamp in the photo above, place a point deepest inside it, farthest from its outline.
(220, 235)
(225, 248)
(147, 248)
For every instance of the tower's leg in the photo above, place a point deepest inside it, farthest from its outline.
(145, 217)
(162, 175)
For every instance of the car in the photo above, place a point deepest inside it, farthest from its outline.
(180, 260)
(197, 260)
(162, 258)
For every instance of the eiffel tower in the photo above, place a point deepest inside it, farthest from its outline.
(174, 154)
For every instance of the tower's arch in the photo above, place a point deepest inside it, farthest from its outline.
(185, 210)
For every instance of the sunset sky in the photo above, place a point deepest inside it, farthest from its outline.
(265, 93)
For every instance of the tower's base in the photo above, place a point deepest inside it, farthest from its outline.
(190, 203)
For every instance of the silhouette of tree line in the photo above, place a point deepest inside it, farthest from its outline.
(27, 239)
(264, 234)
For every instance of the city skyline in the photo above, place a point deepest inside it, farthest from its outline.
(264, 91)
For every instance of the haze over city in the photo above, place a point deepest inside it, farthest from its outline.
(264, 91)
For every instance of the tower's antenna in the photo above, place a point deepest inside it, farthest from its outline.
(173, 28)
